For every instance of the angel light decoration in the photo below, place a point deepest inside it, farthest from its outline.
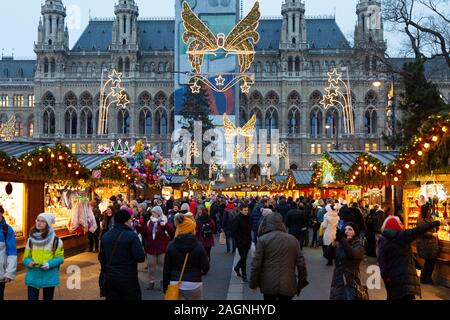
(240, 41)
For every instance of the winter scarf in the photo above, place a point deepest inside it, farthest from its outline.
(37, 238)
(156, 222)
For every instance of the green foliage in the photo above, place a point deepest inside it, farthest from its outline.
(419, 100)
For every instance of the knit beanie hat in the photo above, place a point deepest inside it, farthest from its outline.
(122, 216)
(266, 212)
(185, 224)
(129, 210)
(392, 223)
(158, 210)
(48, 217)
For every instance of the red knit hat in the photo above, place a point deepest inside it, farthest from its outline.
(392, 223)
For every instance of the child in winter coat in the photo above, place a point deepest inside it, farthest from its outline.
(205, 230)
(43, 255)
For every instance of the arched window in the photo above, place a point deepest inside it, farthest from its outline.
(171, 121)
(127, 65)
(256, 99)
(70, 100)
(371, 98)
(120, 65)
(294, 99)
(86, 99)
(272, 99)
(52, 65)
(152, 67)
(46, 66)
(49, 121)
(123, 122)
(160, 99)
(331, 122)
(271, 119)
(297, 64)
(145, 122)
(294, 121)
(244, 100)
(161, 67)
(290, 64)
(274, 67)
(48, 100)
(370, 121)
(242, 117)
(86, 125)
(70, 122)
(19, 127)
(314, 98)
(161, 120)
(317, 66)
(316, 122)
(146, 68)
(326, 66)
(30, 127)
(367, 64)
(267, 67)
(145, 99)
(258, 119)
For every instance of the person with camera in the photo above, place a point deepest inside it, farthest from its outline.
(43, 255)
(347, 252)
(8, 254)
(158, 233)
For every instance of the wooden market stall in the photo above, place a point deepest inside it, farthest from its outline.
(32, 170)
(298, 184)
(423, 168)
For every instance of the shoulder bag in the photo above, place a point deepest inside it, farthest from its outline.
(173, 291)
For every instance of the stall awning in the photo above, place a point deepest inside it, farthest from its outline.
(16, 149)
(302, 177)
(92, 161)
(280, 179)
(177, 180)
(346, 159)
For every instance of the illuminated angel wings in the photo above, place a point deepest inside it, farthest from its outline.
(247, 130)
(240, 41)
(8, 129)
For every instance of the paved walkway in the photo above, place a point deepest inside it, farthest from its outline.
(220, 284)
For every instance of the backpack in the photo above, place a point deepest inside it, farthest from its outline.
(206, 230)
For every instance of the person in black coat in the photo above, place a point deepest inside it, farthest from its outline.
(345, 214)
(120, 253)
(296, 222)
(197, 263)
(358, 219)
(242, 228)
(399, 271)
(348, 253)
(283, 207)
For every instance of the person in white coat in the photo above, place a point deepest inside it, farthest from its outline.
(329, 225)
(8, 254)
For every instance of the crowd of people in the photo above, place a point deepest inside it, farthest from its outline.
(175, 238)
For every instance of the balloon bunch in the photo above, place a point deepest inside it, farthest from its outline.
(148, 164)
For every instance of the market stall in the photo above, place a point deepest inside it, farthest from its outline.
(30, 175)
(423, 169)
(298, 184)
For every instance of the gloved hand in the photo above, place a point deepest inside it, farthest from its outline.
(45, 266)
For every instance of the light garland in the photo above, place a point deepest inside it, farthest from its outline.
(240, 41)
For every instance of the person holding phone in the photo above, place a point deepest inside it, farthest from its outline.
(44, 253)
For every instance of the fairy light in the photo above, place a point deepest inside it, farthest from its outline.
(420, 153)
(407, 166)
(395, 179)
(29, 164)
(426, 145)
(41, 160)
(435, 138)
(60, 157)
(444, 129)
(399, 171)
(413, 162)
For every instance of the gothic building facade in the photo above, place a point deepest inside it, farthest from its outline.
(56, 96)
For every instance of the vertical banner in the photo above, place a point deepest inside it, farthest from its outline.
(220, 16)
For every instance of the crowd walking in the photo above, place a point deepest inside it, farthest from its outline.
(175, 239)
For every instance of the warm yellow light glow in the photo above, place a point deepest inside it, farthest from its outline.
(395, 179)
(399, 171)
(413, 162)
(407, 166)
(435, 138)
(41, 160)
(444, 129)
(420, 153)
(29, 164)
(426, 145)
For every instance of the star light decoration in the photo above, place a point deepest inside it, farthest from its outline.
(8, 129)
(247, 131)
(116, 92)
(332, 99)
(202, 42)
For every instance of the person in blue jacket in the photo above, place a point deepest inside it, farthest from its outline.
(44, 253)
(8, 254)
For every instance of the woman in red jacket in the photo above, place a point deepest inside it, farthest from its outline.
(158, 232)
(205, 230)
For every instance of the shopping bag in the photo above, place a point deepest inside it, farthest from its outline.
(321, 231)
(222, 238)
